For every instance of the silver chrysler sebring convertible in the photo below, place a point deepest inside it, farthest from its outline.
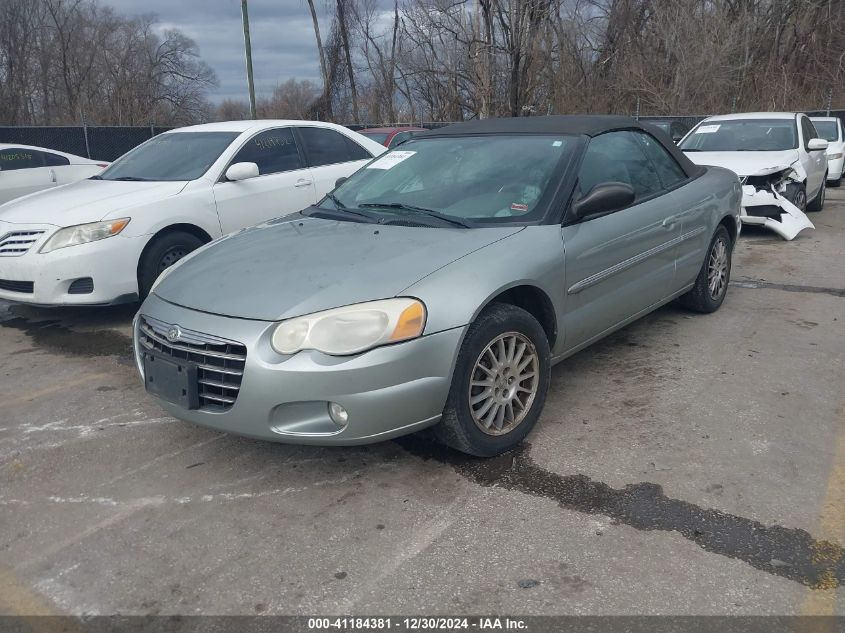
(438, 285)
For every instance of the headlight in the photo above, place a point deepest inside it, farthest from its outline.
(82, 233)
(352, 329)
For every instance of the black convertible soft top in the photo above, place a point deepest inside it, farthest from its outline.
(581, 124)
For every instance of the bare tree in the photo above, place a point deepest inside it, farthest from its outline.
(344, 38)
(320, 51)
(52, 72)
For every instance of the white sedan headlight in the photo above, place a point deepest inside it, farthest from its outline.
(83, 233)
(352, 329)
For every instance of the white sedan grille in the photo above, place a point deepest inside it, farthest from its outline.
(17, 243)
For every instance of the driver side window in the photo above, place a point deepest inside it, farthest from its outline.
(274, 151)
(618, 157)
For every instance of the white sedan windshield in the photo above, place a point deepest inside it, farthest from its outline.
(173, 156)
(742, 135)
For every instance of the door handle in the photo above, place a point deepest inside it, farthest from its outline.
(303, 183)
(52, 175)
(670, 221)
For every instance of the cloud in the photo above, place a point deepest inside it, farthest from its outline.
(281, 32)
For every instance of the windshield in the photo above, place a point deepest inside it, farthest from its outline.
(172, 156)
(827, 130)
(472, 178)
(742, 135)
(378, 137)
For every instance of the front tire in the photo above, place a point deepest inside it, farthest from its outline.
(500, 383)
(796, 193)
(711, 285)
(164, 251)
(817, 203)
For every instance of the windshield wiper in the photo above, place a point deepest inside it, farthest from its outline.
(409, 207)
(95, 178)
(340, 207)
(132, 179)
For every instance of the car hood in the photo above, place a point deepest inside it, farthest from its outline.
(747, 163)
(300, 265)
(84, 201)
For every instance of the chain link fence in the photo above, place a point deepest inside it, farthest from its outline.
(107, 143)
(104, 143)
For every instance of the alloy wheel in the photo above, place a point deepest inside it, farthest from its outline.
(504, 383)
(717, 269)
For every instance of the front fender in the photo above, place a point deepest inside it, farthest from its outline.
(456, 294)
(195, 207)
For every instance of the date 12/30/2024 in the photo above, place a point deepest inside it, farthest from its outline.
(416, 624)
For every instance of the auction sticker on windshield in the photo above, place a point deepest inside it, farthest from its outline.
(707, 129)
(390, 160)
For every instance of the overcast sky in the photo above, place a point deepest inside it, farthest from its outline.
(283, 44)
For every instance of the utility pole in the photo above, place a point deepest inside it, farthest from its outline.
(248, 50)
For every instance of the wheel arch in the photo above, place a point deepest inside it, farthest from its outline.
(729, 222)
(533, 300)
(192, 229)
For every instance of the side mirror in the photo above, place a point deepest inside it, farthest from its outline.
(340, 181)
(604, 198)
(242, 171)
(676, 138)
(816, 144)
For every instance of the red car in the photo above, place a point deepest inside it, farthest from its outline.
(391, 136)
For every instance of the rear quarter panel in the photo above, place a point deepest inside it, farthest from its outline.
(702, 204)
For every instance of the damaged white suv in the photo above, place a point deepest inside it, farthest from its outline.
(779, 159)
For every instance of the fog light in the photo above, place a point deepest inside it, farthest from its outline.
(338, 414)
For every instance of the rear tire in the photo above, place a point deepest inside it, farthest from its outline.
(500, 383)
(834, 183)
(711, 285)
(817, 203)
(164, 251)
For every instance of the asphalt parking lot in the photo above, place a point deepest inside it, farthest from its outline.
(687, 464)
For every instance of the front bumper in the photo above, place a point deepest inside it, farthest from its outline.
(387, 392)
(111, 264)
(774, 211)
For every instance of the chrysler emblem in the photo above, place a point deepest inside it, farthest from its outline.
(174, 333)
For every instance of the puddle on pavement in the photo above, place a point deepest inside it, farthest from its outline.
(757, 284)
(52, 336)
(787, 552)
(72, 331)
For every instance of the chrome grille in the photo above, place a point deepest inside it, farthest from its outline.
(220, 362)
(18, 242)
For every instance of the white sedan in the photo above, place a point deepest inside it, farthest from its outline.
(25, 169)
(106, 239)
(780, 161)
(830, 128)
